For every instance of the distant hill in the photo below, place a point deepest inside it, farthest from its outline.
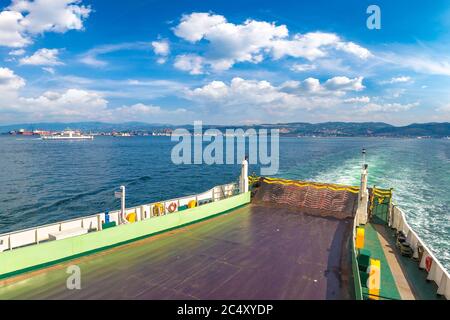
(332, 128)
(326, 129)
(377, 129)
(418, 129)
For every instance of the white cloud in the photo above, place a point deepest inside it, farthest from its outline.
(335, 86)
(229, 43)
(70, 105)
(49, 70)
(42, 57)
(444, 108)
(90, 57)
(11, 31)
(9, 80)
(344, 84)
(195, 26)
(387, 107)
(400, 79)
(253, 41)
(306, 100)
(395, 93)
(302, 67)
(425, 63)
(310, 46)
(81, 105)
(242, 92)
(51, 15)
(161, 47)
(363, 99)
(434, 67)
(143, 112)
(73, 104)
(189, 62)
(241, 95)
(24, 18)
(18, 52)
(91, 60)
(139, 109)
(355, 49)
(161, 60)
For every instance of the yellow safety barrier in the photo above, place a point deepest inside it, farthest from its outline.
(316, 185)
(131, 217)
(374, 280)
(192, 204)
(360, 232)
(253, 179)
(382, 192)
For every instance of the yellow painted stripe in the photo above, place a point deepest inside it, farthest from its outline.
(382, 193)
(311, 184)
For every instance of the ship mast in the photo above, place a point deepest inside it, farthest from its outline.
(363, 197)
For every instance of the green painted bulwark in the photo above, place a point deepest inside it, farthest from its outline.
(356, 277)
(48, 253)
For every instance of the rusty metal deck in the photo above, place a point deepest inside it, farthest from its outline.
(254, 252)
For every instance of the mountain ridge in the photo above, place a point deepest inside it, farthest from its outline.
(342, 129)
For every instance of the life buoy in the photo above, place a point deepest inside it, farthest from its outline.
(172, 207)
(428, 263)
(158, 209)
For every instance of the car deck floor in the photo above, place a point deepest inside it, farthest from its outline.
(253, 252)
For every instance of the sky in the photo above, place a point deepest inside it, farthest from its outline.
(224, 62)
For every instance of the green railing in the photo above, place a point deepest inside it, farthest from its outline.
(355, 267)
(356, 277)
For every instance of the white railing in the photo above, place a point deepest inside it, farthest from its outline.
(435, 271)
(35, 235)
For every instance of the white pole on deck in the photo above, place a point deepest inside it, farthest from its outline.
(122, 203)
(363, 198)
(244, 176)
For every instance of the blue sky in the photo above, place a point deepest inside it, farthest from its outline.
(223, 62)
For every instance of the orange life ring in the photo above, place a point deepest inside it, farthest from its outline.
(172, 207)
(428, 263)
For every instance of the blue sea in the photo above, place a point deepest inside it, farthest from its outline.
(48, 181)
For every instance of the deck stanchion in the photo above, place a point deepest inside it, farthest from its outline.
(99, 222)
(363, 196)
(121, 195)
(122, 188)
(244, 176)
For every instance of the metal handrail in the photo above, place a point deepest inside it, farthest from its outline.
(98, 216)
(408, 228)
